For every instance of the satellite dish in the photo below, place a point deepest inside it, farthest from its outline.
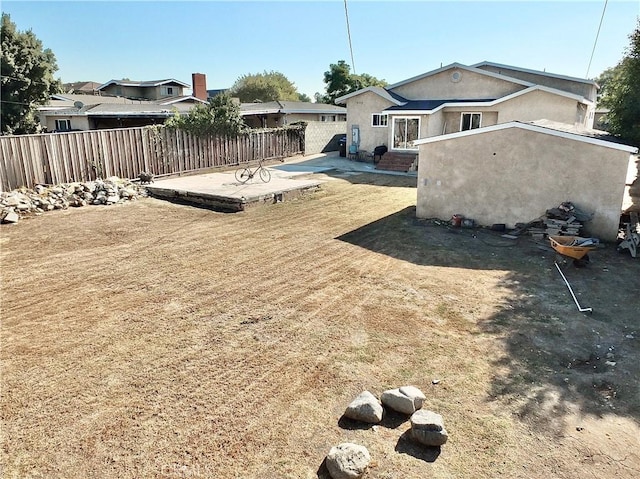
(78, 104)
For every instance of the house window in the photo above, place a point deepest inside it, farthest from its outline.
(63, 125)
(379, 120)
(405, 131)
(470, 121)
(327, 118)
(168, 90)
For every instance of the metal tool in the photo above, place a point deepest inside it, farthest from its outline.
(581, 309)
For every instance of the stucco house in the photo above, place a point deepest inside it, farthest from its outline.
(143, 90)
(513, 172)
(122, 104)
(457, 98)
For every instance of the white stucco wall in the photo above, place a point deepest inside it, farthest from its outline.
(514, 175)
(470, 86)
(537, 105)
(587, 90)
(359, 110)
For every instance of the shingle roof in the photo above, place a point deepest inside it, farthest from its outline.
(535, 72)
(427, 105)
(150, 83)
(284, 107)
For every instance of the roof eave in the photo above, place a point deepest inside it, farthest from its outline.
(530, 127)
(536, 72)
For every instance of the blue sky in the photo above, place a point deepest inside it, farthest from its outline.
(149, 40)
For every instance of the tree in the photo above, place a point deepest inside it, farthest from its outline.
(267, 86)
(26, 78)
(220, 116)
(622, 94)
(340, 81)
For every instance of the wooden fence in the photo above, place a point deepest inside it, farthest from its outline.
(55, 158)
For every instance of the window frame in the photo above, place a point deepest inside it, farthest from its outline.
(393, 131)
(380, 117)
(462, 114)
(66, 122)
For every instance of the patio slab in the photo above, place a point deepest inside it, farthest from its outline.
(221, 191)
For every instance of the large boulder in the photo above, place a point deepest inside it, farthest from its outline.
(427, 428)
(406, 399)
(365, 408)
(347, 461)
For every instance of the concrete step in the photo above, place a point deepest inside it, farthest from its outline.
(397, 161)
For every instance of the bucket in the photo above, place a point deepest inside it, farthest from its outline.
(456, 220)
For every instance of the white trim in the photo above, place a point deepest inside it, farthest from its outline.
(382, 92)
(386, 125)
(393, 131)
(461, 67)
(534, 72)
(529, 127)
(180, 100)
(142, 83)
(58, 122)
(462, 113)
(479, 104)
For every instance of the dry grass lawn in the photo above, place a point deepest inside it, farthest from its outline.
(162, 340)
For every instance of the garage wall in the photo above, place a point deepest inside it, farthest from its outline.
(515, 175)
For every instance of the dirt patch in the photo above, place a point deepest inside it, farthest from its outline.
(160, 340)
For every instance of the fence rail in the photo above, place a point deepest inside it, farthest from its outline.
(54, 158)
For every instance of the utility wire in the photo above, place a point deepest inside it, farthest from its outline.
(346, 13)
(596, 41)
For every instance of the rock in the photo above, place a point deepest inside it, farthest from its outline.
(9, 216)
(427, 428)
(113, 199)
(365, 408)
(347, 461)
(416, 394)
(406, 399)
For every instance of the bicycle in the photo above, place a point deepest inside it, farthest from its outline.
(245, 174)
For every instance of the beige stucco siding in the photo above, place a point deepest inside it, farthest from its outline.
(515, 175)
(471, 85)
(77, 122)
(452, 117)
(359, 110)
(537, 105)
(587, 90)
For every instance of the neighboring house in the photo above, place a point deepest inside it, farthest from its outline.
(81, 88)
(458, 97)
(138, 104)
(279, 113)
(513, 172)
(143, 90)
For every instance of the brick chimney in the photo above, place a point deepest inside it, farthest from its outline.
(199, 81)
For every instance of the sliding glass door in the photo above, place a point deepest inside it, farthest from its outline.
(405, 131)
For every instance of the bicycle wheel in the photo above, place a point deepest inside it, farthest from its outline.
(265, 175)
(243, 175)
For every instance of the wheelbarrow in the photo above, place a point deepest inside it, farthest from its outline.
(574, 247)
(578, 249)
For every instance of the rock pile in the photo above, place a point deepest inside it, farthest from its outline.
(350, 461)
(28, 202)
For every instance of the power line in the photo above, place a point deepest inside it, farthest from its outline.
(346, 13)
(596, 41)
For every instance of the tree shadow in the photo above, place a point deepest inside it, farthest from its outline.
(550, 358)
(406, 445)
